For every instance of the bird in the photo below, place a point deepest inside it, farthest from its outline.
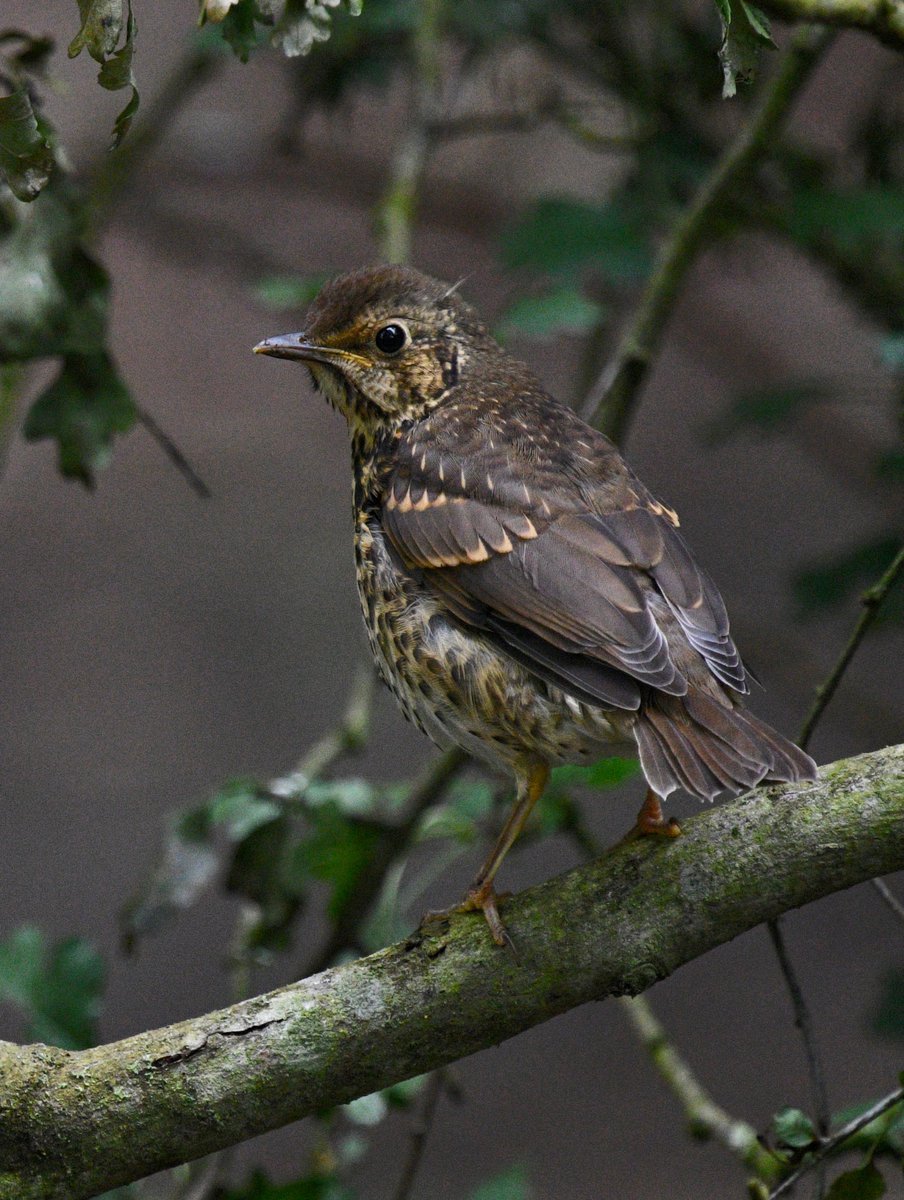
(525, 596)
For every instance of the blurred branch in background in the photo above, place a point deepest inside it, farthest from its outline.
(611, 399)
(689, 171)
(397, 208)
(884, 18)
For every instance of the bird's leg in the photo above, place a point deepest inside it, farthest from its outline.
(650, 821)
(481, 894)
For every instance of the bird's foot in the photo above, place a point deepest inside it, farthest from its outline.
(651, 823)
(480, 897)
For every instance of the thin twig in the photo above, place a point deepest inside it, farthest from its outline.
(116, 169)
(174, 454)
(420, 1131)
(705, 1118)
(804, 1023)
(830, 1144)
(889, 898)
(395, 838)
(611, 399)
(872, 601)
(554, 109)
(348, 736)
(397, 207)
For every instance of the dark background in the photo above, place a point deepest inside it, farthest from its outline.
(153, 644)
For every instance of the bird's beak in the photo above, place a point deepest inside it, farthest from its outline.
(297, 346)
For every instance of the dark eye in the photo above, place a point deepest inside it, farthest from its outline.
(391, 338)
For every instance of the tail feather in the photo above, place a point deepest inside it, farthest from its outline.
(697, 744)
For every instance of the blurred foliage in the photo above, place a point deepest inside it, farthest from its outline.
(292, 26)
(767, 411)
(104, 22)
(312, 1187)
(841, 577)
(56, 988)
(795, 1138)
(363, 854)
(745, 32)
(550, 314)
(888, 1019)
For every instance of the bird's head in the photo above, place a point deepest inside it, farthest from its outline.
(385, 345)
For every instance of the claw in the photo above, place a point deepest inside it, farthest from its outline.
(651, 822)
(481, 897)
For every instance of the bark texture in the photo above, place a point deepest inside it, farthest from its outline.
(75, 1124)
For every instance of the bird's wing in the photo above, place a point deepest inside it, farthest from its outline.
(574, 568)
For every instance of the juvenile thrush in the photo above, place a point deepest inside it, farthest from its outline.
(525, 596)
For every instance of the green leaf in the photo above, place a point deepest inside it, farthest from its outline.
(240, 30)
(55, 296)
(367, 1110)
(884, 1133)
(58, 988)
(767, 410)
(467, 802)
(187, 866)
(283, 292)
(26, 156)
(566, 310)
(83, 409)
(891, 351)
(338, 851)
(404, 1094)
(850, 217)
(240, 809)
(116, 73)
(888, 1019)
(560, 234)
(102, 22)
(263, 869)
(759, 22)
(822, 586)
(745, 31)
(510, 1184)
(313, 1187)
(793, 1129)
(863, 1183)
(606, 773)
(352, 797)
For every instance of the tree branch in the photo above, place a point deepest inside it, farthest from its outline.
(610, 400)
(705, 1118)
(830, 1144)
(75, 1123)
(396, 209)
(884, 18)
(872, 601)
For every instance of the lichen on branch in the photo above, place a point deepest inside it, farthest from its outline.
(73, 1124)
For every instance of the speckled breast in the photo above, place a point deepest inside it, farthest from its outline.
(455, 685)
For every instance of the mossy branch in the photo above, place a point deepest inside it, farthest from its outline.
(73, 1124)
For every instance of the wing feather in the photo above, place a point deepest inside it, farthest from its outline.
(573, 573)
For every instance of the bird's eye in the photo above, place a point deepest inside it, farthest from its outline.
(391, 339)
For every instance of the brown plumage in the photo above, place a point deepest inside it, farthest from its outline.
(524, 594)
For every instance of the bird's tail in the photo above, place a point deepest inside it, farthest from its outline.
(695, 743)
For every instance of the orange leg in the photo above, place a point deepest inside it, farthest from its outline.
(650, 821)
(481, 894)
